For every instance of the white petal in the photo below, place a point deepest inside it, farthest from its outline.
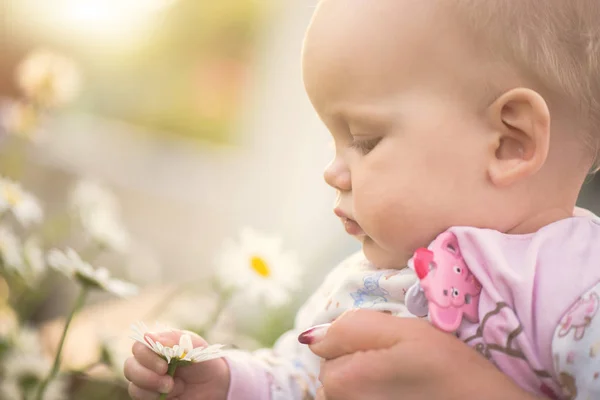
(185, 342)
(28, 211)
(34, 256)
(121, 288)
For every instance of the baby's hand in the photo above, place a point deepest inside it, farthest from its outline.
(147, 373)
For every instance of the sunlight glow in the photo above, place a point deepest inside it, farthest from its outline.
(111, 23)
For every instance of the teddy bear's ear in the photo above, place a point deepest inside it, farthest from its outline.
(449, 243)
(423, 262)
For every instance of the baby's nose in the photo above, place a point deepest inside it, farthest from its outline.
(337, 175)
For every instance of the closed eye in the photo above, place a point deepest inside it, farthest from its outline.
(364, 146)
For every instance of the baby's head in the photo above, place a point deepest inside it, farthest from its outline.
(466, 112)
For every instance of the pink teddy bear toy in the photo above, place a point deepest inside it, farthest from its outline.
(446, 291)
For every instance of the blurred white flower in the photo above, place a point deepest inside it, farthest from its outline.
(111, 353)
(105, 229)
(48, 79)
(23, 205)
(18, 364)
(27, 370)
(20, 118)
(88, 195)
(70, 264)
(98, 212)
(25, 260)
(10, 390)
(11, 251)
(183, 352)
(27, 340)
(35, 265)
(258, 268)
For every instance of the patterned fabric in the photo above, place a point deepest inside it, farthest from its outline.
(576, 348)
(536, 309)
(290, 370)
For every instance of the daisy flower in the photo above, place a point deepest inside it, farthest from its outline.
(20, 118)
(19, 364)
(25, 367)
(87, 195)
(35, 265)
(24, 372)
(11, 251)
(182, 353)
(27, 340)
(98, 212)
(258, 268)
(23, 205)
(10, 390)
(71, 265)
(26, 260)
(103, 227)
(48, 79)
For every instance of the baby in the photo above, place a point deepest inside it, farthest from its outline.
(464, 126)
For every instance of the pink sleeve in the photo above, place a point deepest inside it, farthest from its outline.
(249, 380)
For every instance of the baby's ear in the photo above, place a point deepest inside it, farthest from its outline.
(521, 123)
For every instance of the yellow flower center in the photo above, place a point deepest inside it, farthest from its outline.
(11, 194)
(260, 266)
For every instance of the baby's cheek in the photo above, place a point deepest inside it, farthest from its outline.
(378, 216)
(392, 230)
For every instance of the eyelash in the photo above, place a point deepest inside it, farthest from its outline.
(365, 146)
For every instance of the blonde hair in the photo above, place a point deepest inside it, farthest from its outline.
(556, 43)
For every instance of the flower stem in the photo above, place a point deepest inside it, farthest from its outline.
(78, 304)
(170, 372)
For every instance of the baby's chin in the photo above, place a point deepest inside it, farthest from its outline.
(381, 258)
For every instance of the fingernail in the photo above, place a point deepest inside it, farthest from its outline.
(313, 335)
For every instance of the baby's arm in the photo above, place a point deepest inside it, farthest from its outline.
(280, 373)
(289, 370)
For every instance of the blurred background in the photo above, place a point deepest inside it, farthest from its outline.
(194, 115)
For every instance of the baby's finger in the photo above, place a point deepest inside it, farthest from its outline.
(146, 379)
(321, 394)
(171, 338)
(137, 393)
(178, 389)
(149, 359)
